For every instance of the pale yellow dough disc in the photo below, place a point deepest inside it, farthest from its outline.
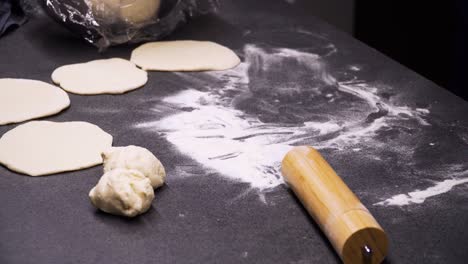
(184, 55)
(108, 76)
(22, 100)
(40, 148)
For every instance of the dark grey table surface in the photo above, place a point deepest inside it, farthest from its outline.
(397, 139)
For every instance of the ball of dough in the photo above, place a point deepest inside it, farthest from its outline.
(105, 11)
(129, 11)
(123, 192)
(135, 158)
(138, 11)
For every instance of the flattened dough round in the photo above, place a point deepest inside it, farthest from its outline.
(184, 55)
(40, 148)
(108, 76)
(22, 99)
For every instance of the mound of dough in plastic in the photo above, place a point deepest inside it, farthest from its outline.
(135, 158)
(130, 11)
(22, 100)
(123, 192)
(41, 147)
(184, 55)
(108, 76)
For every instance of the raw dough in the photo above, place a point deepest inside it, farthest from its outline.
(122, 192)
(41, 147)
(130, 11)
(184, 55)
(108, 76)
(22, 99)
(136, 158)
(139, 11)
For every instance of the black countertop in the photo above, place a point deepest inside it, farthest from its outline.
(398, 140)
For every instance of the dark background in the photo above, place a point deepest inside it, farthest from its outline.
(430, 37)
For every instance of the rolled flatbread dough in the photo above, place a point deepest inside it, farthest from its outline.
(40, 148)
(108, 76)
(22, 100)
(184, 55)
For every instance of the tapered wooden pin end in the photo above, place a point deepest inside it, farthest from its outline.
(351, 229)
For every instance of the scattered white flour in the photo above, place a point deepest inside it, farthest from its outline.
(323, 128)
(419, 196)
(218, 137)
(187, 98)
(369, 94)
(239, 146)
(423, 110)
(354, 135)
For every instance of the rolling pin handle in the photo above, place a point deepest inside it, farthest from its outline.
(352, 230)
(366, 254)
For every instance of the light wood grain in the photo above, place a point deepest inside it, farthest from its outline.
(345, 221)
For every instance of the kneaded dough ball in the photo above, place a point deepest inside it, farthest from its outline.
(122, 192)
(129, 11)
(105, 11)
(135, 158)
(138, 11)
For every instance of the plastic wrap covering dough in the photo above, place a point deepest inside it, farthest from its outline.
(110, 22)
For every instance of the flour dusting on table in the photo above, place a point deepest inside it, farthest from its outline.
(220, 138)
(241, 122)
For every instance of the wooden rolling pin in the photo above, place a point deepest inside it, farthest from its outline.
(351, 229)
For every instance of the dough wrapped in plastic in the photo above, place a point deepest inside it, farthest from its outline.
(104, 23)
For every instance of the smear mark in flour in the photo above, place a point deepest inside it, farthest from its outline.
(241, 122)
(419, 196)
